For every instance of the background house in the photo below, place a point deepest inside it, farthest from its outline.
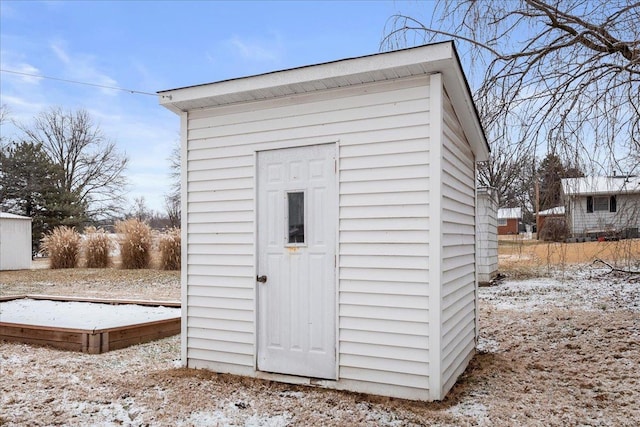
(329, 223)
(15, 242)
(509, 220)
(602, 205)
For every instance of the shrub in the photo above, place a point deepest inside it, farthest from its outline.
(554, 229)
(63, 246)
(170, 250)
(97, 245)
(135, 243)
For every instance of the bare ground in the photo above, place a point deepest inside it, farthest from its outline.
(559, 350)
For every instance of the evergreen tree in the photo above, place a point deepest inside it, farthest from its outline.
(28, 186)
(551, 172)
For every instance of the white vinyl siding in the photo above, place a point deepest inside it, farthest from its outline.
(627, 214)
(383, 297)
(487, 236)
(382, 132)
(15, 242)
(458, 250)
(405, 260)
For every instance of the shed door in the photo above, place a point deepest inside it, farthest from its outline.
(296, 252)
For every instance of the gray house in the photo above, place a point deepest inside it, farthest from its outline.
(599, 205)
(329, 223)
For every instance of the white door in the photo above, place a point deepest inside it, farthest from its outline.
(296, 259)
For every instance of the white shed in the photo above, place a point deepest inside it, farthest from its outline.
(15, 242)
(329, 223)
(487, 226)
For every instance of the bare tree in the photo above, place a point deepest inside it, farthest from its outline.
(4, 114)
(172, 199)
(140, 210)
(93, 167)
(172, 207)
(561, 76)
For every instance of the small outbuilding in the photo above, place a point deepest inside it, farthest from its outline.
(329, 223)
(487, 234)
(15, 242)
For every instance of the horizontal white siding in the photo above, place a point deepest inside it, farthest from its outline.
(458, 250)
(383, 268)
(15, 243)
(627, 215)
(381, 129)
(487, 235)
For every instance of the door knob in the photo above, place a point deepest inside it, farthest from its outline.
(261, 279)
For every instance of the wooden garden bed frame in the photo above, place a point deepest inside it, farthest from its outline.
(92, 341)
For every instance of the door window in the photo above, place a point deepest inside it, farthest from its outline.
(295, 202)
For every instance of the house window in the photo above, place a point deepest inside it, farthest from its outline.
(502, 222)
(601, 204)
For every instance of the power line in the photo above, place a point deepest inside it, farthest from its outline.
(139, 92)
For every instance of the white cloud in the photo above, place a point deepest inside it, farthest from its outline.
(13, 61)
(82, 67)
(270, 49)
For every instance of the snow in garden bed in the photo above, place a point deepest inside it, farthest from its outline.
(81, 315)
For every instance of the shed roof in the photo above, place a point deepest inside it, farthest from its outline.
(507, 213)
(421, 60)
(7, 215)
(594, 185)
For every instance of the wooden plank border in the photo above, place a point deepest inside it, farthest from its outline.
(94, 341)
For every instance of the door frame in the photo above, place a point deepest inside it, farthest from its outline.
(336, 265)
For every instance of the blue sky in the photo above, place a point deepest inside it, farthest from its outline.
(150, 46)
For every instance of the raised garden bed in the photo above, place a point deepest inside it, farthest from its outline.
(89, 325)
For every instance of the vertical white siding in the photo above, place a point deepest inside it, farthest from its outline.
(458, 250)
(382, 132)
(487, 235)
(15, 243)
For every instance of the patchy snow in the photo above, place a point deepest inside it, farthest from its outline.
(475, 410)
(575, 288)
(560, 350)
(487, 345)
(81, 315)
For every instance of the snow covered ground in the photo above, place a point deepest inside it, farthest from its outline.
(81, 315)
(562, 350)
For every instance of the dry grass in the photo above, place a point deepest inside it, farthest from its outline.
(97, 246)
(110, 282)
(135, 244)
(63, 247)
(530, 258)
(169, 247)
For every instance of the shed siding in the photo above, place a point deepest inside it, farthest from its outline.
(487, 237)
(15, 243)
(383, 268)
(458, 250)
(381, 130)
(627, 214)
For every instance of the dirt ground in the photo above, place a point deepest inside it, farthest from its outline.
(563, 349)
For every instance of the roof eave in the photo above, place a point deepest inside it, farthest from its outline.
(434, 58)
